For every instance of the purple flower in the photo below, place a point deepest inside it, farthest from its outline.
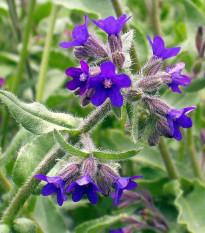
(108, 84)
(80, 77)
(123, 183)
(118, 231)
(177, 78)
(84, 185)
(111, 25)
(177, 118)
(2, 81)
(55, 185)
(80, 35)
(159, 49)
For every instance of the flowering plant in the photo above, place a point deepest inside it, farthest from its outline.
(106, 126)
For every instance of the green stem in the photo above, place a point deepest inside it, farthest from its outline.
(155, 18)
(135, 64)
(4, 184)
(23, 54)
(193, 155)
(48, 163)
(171, 170)
(46, 53)
(15, 24)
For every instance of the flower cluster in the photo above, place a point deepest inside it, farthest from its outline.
(87, 177)
(101, 76)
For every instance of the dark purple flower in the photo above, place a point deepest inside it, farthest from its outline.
(159, 49)
(108, 84)
(80, 35)
(2, 81)
(124, 183)
(55, 185)
(84, 185)
(118, 231)
(80, 77)
(111, 25)
(177, 118)
(177, 78)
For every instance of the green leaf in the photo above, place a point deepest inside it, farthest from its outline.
(48, 216)
(35, 117)
(117, 111)
(42, 11)
(68, 147)
(191, 208)
(127, 40)
(94, 226)
(116, 155)
(104, 9)
(195, 85)
(30, 156)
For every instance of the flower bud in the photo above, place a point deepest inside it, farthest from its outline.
(163, 128)
(153, 139)
(202, 135)
(197, 67)
(85, 99)
(70, 173)
(150, 83)
(134, 94)
(93, 49)
(118, 59)
(157, 106)
(24, 225)
(152, 66)
(89, 167)
(115, 43)
(104, 178)
(199, 40)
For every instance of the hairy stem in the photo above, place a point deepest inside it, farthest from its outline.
(48, 163)
(171, 170)
(23, 54)
(155, 18)
(4, 184)
(193, 155)
(46, 53)
(135, 64)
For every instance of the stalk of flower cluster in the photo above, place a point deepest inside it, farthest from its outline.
(118, 10)
(193, 155)
(23, 55)
(155, 18)
(45, 57)
(172, 173)
(48, 163)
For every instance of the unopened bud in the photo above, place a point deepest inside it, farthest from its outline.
(153, 139)
(85, 99)
(77, 91)
(197, 67)
(134, 94)
(70, 173)
(24, 225)
(157, 106)
(150, 83)
(118, 59)
(199, 39)
(115, 43)
(162, 127)
(93, 49)
(202, 135)
(152, 66)
(104, 178)
(89, 166)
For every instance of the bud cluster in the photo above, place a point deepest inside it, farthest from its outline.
(87, 177)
